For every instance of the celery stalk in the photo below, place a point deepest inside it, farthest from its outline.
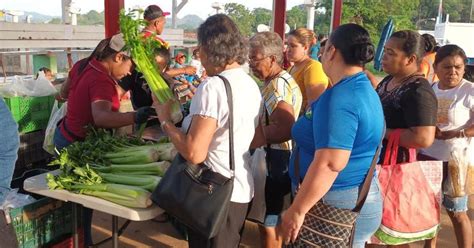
(147, 182)
(142, 54)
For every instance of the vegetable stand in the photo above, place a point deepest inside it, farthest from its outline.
(37, 185)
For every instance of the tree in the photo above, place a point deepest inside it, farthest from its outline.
(458, 10)
(373, 14)
(91, 18)
(241, 16)
(262, 16)
(296, 17)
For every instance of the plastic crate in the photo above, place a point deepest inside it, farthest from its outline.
(43, 222)
(31, 113)
(31, 150)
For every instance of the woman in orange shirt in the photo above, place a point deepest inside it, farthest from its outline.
(307, 72)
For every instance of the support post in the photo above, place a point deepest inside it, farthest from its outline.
(336, 14)
(111, 14)
(279, 17)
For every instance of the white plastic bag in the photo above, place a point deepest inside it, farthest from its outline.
(259, 173)
(15, 200)
(460, 179)
(27, 86)
(56, 115)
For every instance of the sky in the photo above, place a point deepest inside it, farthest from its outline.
(201, 8)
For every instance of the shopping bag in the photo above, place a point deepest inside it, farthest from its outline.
(57, 113)
(259, 173)
(412, 195)
(460, 177)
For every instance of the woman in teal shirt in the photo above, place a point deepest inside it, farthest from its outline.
(338, 137)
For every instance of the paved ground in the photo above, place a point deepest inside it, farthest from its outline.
(153, 234)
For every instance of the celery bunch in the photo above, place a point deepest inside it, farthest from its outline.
(142, 49)
(122, 170)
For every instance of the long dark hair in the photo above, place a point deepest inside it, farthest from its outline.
(430, 43)
(101, 52)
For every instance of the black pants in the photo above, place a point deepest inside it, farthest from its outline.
(231, 231)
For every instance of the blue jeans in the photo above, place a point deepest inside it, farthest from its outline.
(455, 204)
(60, 142)
(370, 216)
(10, 142)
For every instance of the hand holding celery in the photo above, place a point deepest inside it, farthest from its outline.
(142, 49)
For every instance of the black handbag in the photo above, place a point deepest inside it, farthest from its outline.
(194, 194)
(327, 226)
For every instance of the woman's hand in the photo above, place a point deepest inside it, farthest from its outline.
(290, 225)
(163, 110)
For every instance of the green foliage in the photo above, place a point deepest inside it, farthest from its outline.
(458, 10)
(262, 16)
(91, 18)
(373, 14)
(242, 16)
(296, 17)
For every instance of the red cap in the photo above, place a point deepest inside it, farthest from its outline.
(153, 11)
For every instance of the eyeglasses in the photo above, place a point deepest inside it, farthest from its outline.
(253, 61)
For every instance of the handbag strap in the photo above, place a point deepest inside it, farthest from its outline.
(393, 148)
(364, 191)
(228, 91)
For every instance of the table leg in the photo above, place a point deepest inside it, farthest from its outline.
(75, 234)
(114, 231)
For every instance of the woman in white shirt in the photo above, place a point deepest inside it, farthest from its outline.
(205, 134)
(455, 123)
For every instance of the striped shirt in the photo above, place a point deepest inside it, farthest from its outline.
(281, 88)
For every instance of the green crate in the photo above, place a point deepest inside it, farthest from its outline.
(31, 113)
(41, 223)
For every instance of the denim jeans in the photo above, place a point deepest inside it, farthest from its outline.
(370, 216)
(60, 142)
(10, 142)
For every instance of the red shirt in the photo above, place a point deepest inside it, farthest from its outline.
(74, 72)
(147, 34)
(93, 84)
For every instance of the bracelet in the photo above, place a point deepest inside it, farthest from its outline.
(163, 123)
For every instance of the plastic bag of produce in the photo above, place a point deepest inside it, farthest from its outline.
(57, 113)
(28, 86)
(460, 176)
(470, 167)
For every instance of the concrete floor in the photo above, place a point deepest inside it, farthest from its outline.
(154, 234)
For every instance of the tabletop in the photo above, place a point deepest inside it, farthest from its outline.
(38, 185)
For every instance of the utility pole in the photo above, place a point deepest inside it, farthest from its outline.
(439, 19)
(175, 11)
(310, 8)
